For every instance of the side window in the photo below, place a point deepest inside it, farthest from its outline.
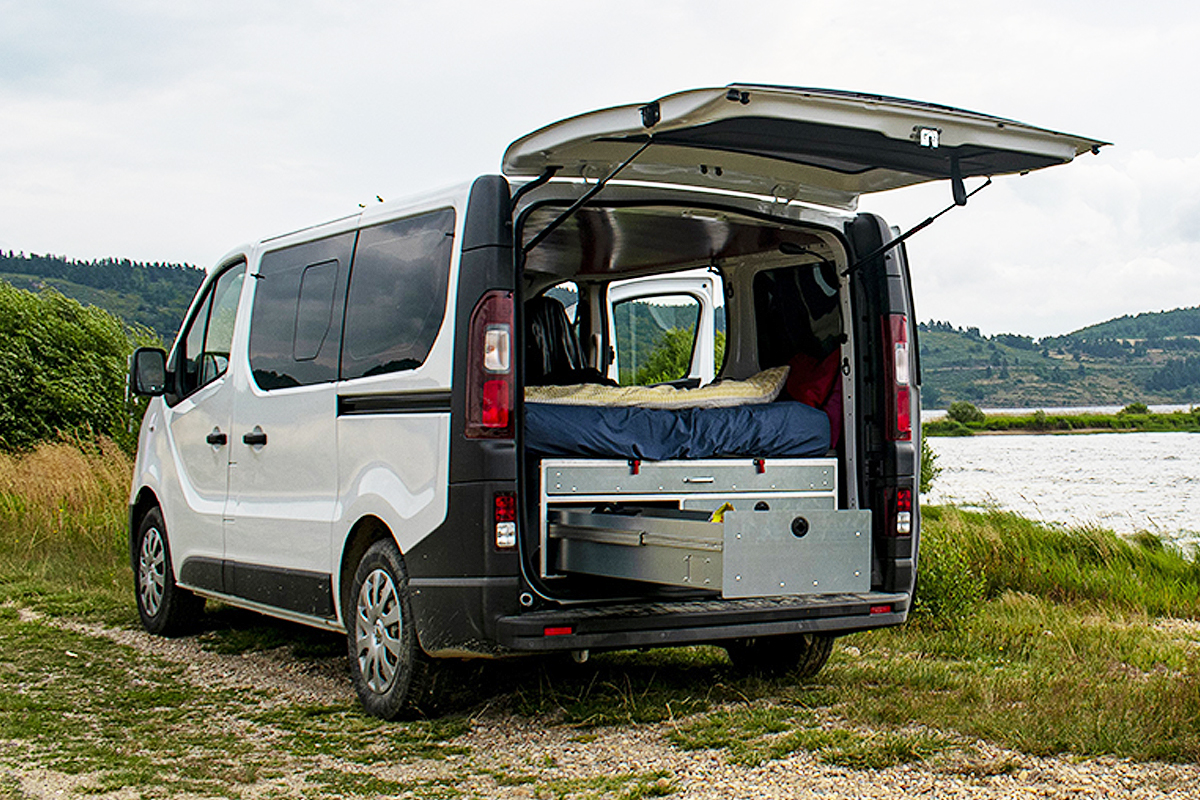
(656, 337)
(204, 351)
(295, 326)
(397, 294)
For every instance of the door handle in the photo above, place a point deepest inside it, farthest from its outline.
(216, 438)
(255, 438)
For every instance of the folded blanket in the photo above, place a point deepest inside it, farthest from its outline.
(761, 388)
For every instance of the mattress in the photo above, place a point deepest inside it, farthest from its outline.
(769, 430)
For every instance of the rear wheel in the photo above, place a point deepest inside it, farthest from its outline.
(390, 672)
(800, 655)
(164, 608)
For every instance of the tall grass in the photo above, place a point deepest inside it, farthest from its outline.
(1087, 567)
(63, 526)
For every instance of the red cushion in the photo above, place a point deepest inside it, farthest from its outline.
(811, 381)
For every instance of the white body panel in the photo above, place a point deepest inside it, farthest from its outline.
(198, 474)
(289, 504)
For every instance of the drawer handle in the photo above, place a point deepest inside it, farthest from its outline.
(700, 479)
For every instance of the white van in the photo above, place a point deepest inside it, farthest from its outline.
(389, 425)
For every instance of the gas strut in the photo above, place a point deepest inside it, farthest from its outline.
(960, 199)
(588, 195)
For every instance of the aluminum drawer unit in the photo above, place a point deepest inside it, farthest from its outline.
(783, 536)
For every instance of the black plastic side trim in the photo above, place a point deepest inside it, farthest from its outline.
(295, 590)
(304, 592)
(408, 402)
(203, 573)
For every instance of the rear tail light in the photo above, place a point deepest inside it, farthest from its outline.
(505, 516)
(903, 512)
(490, 368)
(898, 507)
(896, 360)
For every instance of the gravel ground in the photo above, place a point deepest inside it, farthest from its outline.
(501, 743)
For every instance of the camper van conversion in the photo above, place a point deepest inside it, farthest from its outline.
(655, 384)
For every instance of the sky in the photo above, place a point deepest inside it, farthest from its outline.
(174, 132)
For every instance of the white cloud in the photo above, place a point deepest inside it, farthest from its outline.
(174, 131)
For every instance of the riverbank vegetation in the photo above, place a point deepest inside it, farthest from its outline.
(1040, 639)
(964, 419)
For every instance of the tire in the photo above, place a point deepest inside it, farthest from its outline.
(164, 608)
(798, 655)
(391, 674)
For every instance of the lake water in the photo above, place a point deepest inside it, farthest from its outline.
(1123, 481)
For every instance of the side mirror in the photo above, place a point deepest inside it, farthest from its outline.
(148, 371)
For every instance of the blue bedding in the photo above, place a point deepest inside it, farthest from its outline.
(771, 430)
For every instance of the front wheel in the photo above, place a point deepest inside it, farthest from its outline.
(800, 655)
(164, 608)
(390, 672)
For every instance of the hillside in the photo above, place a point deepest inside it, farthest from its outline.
(1148, 358)
(154, 295)
(1086, 367)
(1151, 325)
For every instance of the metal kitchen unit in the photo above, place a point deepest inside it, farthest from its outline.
(780, 532)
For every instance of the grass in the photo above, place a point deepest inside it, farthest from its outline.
(63, 530)
(1045, 640)
(753, 734)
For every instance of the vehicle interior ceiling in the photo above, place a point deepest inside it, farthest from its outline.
(599, 244)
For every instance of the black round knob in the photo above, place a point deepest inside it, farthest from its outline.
(799, 527)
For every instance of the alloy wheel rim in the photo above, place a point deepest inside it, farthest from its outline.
(152, 571)
(378, 630)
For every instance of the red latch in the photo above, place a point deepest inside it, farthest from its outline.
(635, 466)
(760, 465)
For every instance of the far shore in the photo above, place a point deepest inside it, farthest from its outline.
(1132, 419)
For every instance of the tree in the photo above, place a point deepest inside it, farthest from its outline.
(672, 356)
(62, 369)
(964, 412)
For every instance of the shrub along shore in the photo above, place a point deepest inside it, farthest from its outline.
(963, 419)
(1045, 640)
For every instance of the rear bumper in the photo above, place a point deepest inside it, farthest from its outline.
(696, 622)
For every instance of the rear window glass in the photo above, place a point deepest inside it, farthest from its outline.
(397, 294)
(656, 337)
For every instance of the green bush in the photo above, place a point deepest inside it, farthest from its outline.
(964, 412)
(950, 589)
(62, 370)
(929, 467)
(1135, 408)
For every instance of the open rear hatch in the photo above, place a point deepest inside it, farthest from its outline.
(815, 145)
(734, 532)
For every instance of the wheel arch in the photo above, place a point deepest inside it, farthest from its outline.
(368, 530)
(145, 500)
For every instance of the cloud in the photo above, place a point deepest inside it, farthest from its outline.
(1063, 248)
(173, 131)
